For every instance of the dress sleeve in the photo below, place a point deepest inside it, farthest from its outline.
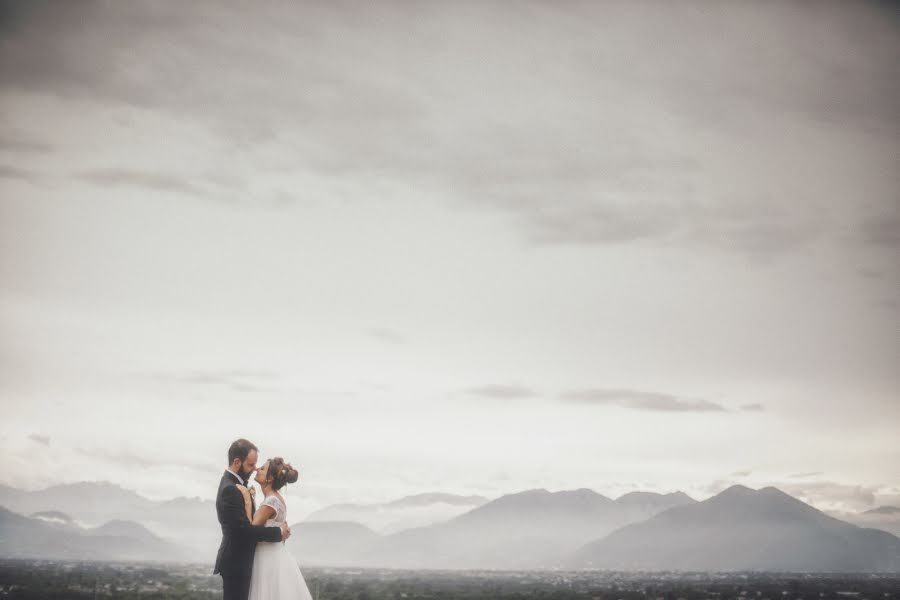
(273, 502)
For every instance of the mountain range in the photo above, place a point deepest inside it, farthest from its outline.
(738, 529)
(885, 518)
(743, 529)
(58, 537)
(525, 530)
(192, 521)
(405, 513)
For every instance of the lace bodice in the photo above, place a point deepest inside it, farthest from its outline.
(280, 511)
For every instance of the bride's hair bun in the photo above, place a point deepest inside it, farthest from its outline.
(282, 473)
(292, 475)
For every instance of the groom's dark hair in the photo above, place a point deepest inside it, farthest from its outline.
(239, 449)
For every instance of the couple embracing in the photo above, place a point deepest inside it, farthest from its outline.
(252, 559)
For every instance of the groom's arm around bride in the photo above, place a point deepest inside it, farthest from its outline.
(236, 520)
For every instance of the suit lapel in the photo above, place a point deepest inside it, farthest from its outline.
(231, 478)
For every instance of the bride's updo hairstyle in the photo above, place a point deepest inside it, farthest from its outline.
(282, 473)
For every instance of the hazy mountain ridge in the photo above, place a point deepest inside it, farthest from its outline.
(404, 513)
(329, 543)
(27, 537)
(530, 529)
(883, 510)
(739, 528)
(885, 518)
(743, 529)
(192, 521)
(92, 503)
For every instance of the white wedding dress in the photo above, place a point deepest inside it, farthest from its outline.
(275, 574)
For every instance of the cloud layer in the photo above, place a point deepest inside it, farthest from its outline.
(347, 216)
(640, 400)
(579, 121)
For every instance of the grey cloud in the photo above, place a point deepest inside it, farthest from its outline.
(802, 475)
(882, 230)
(502, 392)
(190, 67)
(57, 65)
(142, 179)
(216, 187)
(641, 400)
(10, 172)
(704, 228)
(248, 381)
(869, 273)
(715, 486)
(585, 154)
(754, 407)
(630, 198)
(43, 440)
(818, 493)
(888, 496)
(244, 381)
(18, 144)
(741, 473)
(126, 459)
(130, 459)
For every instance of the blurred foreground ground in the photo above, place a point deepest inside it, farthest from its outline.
(76, 580)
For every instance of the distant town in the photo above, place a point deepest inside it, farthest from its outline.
(76, 580)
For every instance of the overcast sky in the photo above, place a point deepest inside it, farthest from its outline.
(464, 247)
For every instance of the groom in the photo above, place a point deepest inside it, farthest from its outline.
(239, 536)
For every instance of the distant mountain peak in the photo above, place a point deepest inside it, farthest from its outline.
(741, 501)
(766, 494)
(780, 495)
(531, 492)
(541, 503)
(737, 490)
(543, 492)
(122, 527)
(743, 529)
(631, 495)
(883, 510)
(679, 494)
(584, 491)
(639, 496)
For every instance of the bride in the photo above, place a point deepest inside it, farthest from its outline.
(275, 573)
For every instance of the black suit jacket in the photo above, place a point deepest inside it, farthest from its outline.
(239, 535)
